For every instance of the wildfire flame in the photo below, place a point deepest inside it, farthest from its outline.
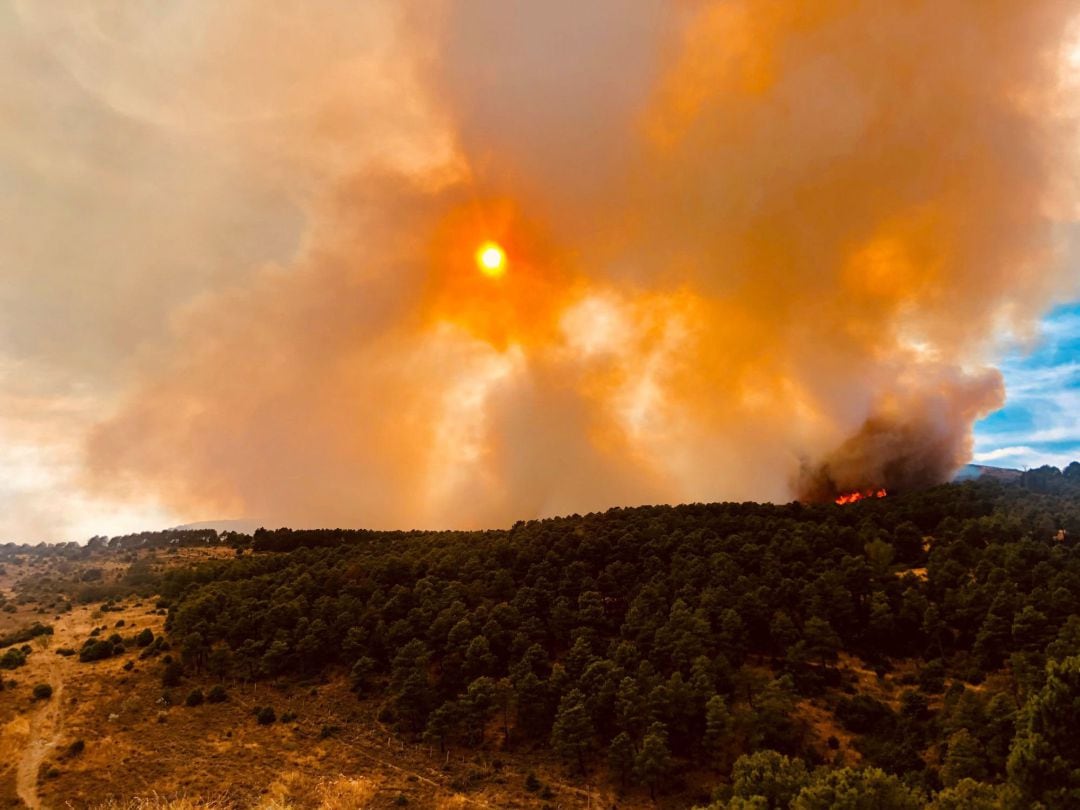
(858, 495)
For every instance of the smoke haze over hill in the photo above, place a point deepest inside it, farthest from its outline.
(754, 250)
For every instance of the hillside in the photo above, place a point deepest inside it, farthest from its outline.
(907, 648)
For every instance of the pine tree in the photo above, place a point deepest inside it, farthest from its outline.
(1030, 630)
(775, 778)
(992, 640)
(702, 681)
(968, 795)
(443, 723)
(572, 734)
(964, 759)
(1044, 765)
(821, 640)
(881, 621)
(653, 761)
(477, 705)
(621, 758)
(782, 632)
(857, 788)
(533, 711)
(409, 678)
(718, 726)
(630, 708)
(1000, 729)
(478, 658)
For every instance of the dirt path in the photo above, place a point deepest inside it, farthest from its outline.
(47, 722)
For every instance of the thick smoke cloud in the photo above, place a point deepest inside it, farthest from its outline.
(756, 250)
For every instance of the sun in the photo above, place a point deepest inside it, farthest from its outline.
(491, 259)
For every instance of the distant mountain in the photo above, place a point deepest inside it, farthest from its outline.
(240, 525)
(971, 471)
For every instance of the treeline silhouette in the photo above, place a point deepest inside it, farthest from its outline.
(169, 538)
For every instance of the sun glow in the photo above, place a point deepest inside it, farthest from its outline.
(491, 259)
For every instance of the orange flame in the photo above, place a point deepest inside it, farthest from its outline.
(858, 495)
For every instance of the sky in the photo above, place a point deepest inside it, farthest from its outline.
(749, 254)
(1040, 421)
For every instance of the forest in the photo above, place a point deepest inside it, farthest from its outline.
(935, 633)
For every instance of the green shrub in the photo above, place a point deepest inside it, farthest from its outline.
(42, 691)
(95, 651)
(194, 698)
(154, 648)
(217, 694)
(265, 715)
(26, 634)
(12, 658)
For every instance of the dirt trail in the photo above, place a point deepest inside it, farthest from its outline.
(47, 722)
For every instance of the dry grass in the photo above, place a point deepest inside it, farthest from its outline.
(454, 803)
(155, 802)
(333, 794)
(345, 794)
(339, 793)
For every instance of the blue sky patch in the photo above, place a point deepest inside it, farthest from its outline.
(1040, 423)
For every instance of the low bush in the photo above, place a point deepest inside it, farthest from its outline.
(12, 659)
(864, 714)
(95, 651)
(26, 634)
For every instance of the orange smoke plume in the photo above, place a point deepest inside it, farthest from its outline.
(752, 250)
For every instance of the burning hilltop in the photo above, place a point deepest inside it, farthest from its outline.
(855, 497)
